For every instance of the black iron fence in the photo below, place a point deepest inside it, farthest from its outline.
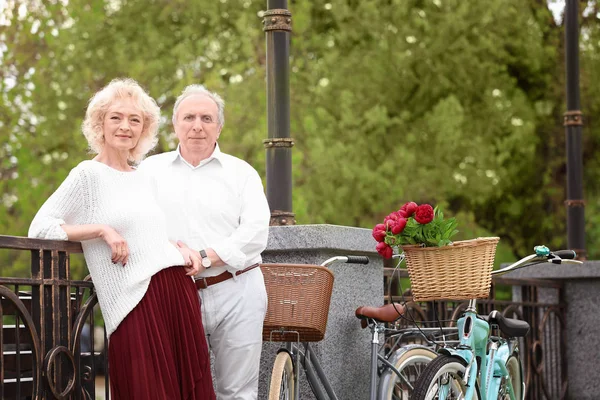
(542, 351)
(47, 325)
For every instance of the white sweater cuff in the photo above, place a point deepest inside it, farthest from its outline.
(52, 230)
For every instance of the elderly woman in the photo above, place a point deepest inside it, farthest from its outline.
(149, 302)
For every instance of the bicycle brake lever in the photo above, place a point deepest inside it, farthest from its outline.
(571, 261)
(558, 260)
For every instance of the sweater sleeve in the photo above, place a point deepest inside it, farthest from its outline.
(66, 205)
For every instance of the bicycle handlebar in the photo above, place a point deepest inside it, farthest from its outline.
(347, 260)
(357, 260)
(556, 257)
(566, 254)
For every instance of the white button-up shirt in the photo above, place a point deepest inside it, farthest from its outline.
(219, 204)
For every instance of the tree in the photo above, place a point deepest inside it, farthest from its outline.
(452, 102)
(448, 102)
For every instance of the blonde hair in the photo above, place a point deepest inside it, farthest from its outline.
(99, 104)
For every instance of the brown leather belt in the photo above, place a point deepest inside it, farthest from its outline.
(203, 283)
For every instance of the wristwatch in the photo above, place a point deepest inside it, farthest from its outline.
(206, 263)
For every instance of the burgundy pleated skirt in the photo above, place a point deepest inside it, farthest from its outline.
(159, 350)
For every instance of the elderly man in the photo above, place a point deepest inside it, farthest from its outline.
(215, 204)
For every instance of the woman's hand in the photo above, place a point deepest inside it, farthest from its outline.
(192, 261)
(118, 245)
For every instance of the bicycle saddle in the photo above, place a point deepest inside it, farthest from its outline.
(509, 326)
(387, 313)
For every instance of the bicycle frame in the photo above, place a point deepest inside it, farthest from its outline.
(302, 355)
(398, 350)
(474, 336)
(489, 355)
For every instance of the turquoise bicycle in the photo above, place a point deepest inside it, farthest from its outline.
(484, 365)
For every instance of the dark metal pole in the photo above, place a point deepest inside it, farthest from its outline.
(277, 26)
(573, 123)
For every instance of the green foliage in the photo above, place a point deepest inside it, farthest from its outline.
(448, 102)
(436, 233)
(438, 115)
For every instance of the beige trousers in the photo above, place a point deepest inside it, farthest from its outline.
(233, 313)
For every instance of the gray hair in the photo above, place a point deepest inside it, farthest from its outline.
(200, 89)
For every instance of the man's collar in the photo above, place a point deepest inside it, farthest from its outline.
(216, 154)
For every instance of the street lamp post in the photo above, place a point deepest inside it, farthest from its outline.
(573, 123)
(277, 24)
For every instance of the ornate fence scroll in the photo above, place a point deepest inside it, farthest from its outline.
(47, 327)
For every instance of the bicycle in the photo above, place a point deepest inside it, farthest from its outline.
(483, 365)
(400, 366)
(397, 367)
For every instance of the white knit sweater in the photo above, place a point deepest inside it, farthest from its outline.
(95, 193)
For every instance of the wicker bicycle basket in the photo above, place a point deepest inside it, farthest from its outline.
(299, 297)
(459, 271)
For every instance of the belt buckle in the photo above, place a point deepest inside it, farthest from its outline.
(201, 283)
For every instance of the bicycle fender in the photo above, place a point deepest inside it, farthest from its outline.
(400, 352)
(281, 350)
(465, 355)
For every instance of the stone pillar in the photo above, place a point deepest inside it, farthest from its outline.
(345, 351)
(582, 327)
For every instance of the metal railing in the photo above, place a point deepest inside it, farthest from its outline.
(45, 347)
(542, 351)
(47, 352)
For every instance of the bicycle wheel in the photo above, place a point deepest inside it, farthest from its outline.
(515, 373)
(410, 364)
(282, 378)
(443, 379)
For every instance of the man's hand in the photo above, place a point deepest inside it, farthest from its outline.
(214, 257)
